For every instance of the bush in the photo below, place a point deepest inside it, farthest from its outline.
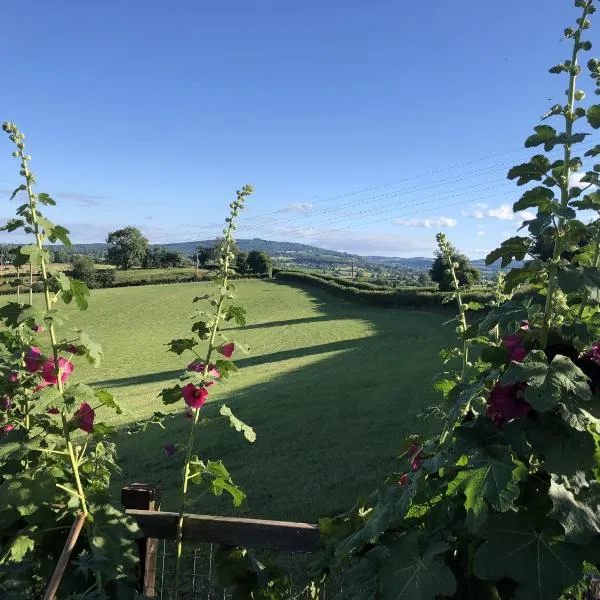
(104, 278)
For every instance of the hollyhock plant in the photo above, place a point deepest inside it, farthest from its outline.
(170, 450)
(13, 377)
(198, 367)
(514, 345)
(85, 415)
(6, 402)
(506, 403)
(49, 373)
(53, 411)
(38, 328)
(227, 349)
(403, 479)
(33, 360)
(194, 396)
(8, 428)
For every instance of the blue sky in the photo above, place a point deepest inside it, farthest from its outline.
(364, 126)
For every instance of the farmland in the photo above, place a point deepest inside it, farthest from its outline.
(330, 386)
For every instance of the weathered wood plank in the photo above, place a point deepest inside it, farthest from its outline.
(231, 531)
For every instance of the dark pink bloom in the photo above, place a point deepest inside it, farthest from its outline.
(506, 403)
(13, 377)
(71, 348)
(169, 450)
(525, 325)
(194, 396)
(403, 479)
(49, 374)
(33, 360)
(416, 462)
(594, 353)
(53, 411)
(86, 415)
(514, 345)
(414, 455)
(8, 428)
(5, 402)
(198, 367)
(227, 349)
(38, 328)
(413, 449)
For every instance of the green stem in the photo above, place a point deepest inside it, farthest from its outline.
(564, 184)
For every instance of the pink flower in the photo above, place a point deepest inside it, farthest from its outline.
(170, 450)
(514, 345)
(13, 377)
(416, 462)
(507, 403)
(71, 348)
(198, 367)
(227, 349)
(49, 374)
(194, 396)
(414, 454)
(86, 416)
(53, 411)
(525, 325)
(6, 402)
(8, 428)
(403, 479)
(33, 360)
(38, 328)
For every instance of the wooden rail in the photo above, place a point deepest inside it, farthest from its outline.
(230, 531)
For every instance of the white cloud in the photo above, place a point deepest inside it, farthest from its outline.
(504, 212)
(298, 207)
(427, 223)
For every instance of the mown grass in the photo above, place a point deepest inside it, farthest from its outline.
(331, 388)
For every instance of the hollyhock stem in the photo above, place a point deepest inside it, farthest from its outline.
(565, 180)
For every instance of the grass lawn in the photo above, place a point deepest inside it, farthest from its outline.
(331, 388)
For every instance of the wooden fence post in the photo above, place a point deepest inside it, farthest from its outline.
(143, 496)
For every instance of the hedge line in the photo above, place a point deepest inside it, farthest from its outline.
(401, 297)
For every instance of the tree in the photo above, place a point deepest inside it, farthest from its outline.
(127, 247)
(466, 273)
(61, 255)
(260, 262)
(241, 262)
(423, 279)
(219, 247)
(204, 255)
(161, 258)
(83, 269)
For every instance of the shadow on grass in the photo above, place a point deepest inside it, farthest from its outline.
(327, 432)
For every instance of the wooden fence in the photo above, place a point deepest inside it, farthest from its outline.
(142, 503)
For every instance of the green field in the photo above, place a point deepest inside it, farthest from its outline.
(331, 388)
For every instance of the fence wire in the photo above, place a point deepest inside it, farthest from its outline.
(199, 580)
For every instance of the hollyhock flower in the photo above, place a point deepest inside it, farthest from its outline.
(86, 415)
(13, 377)
(33, 360)
(403, 479)
(53, 411)
(594, 353)
(198, 367)
(169, 450)
(414, 454)
(194, 396)
(38, 328)
(506, 403)
(49, 375)
(514, 345)
(227, 349)
(525, 325)
(8, 428)
(5, 402)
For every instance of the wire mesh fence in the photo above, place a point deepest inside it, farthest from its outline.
(199, 579)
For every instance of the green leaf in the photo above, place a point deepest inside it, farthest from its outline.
(573, 279)
(547, 385)
(20, 546)
(593, 115)
(225, 367)
(27, 494)
(220, 485)
(21, 188)
(534, 170)
(237, 424)
(580, 518)
(180, 345)
(45, 397)
(444, 385)
(508, 316)
(201, 329)
(496, 355)
(44, 198)
(171, 395)
(490, 477)
(588, 202)
(108, 400)
(538, 558)
(12, 225)
(411, 573)
(544, 134)
(360, 576)
(514, 247)
(80, 293)
(595, 151)
(237, 314)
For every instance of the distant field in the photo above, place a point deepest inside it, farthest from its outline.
(331, 388)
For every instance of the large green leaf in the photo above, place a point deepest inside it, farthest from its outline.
(27, 494)
(537, 197)
(548, 384)
(411, 573)
(544, 134)
(20, 546)
(514, 247)
(593, 115)
(534, 170)
(579, 517)
(238, 424)
(490, 477)
(360, 579)
(576, 279)
(539, 559)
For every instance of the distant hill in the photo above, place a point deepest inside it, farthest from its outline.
(303, 255)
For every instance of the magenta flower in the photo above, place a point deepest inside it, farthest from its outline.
(6, 402)
(38, 328)
(594, 353)
(8, 428)
(525, 325)
(198, 367)
(169, 450)
(194, 396)
(414, 455)
(53, 411)
(33, 360)
(227, 349)
(49, 375)
(507, 403)
(403, 479)
(85, 415)
(514, 346)
(13, 377)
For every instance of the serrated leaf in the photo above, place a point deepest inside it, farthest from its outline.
(514, 247)
(538, 559)
(444, 385)
(18, 189)
(411, 573)
(547, 385)
(80, 293)
(544, 134)
(180, 345)
(237, 424)
(534, 170)
(201, 328)
(108, 400)
(44, 198)
(220, 485)
(588, 202)
(573, 279)
(236, 313)
(27, 494)
(20, 546)
(12, 225)
(593, 115)
(580, 518)
(171, 395)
